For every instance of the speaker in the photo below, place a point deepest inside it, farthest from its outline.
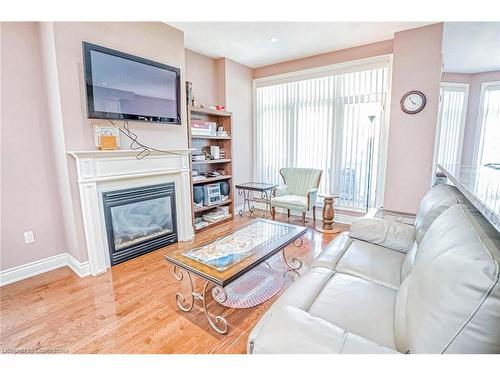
(224, 188)
(198, 195)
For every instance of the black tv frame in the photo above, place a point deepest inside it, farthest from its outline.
(93, 114)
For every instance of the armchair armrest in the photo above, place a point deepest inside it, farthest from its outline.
(312, 195)
(394, 235)
(280, 190)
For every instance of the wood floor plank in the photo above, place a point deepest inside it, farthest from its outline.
(131, 308)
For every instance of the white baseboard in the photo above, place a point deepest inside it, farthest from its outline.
(38, 267)
(81, 269)
(339, 218)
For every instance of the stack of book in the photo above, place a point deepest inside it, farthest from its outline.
(205, 128)
(222, 153)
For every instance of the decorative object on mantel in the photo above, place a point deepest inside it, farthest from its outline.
(107, 137)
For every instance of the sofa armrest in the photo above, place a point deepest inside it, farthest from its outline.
(394, 235)
(330, 256)
(280, 190)
(312, 195)
(294, 331)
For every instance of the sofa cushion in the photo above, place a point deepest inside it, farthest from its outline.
(311, 335)
(372, 262)
(453, 296)
(293, 202)
(362, 259)
(358, 306)
(433, 204)
(300, 294)
(391, 234)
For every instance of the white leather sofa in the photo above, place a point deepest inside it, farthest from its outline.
(392, 288)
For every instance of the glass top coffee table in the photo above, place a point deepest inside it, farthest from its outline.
(222, 261)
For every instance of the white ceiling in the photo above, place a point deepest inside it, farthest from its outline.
(471, 47)
(248, 42)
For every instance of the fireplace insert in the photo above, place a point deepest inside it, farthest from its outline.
(139, 220)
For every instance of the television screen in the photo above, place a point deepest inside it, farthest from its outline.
(122, 86)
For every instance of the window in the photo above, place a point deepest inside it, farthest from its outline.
(451, 121)
(331, 122)
(487, 150)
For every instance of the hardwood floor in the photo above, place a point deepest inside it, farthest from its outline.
(129, 309)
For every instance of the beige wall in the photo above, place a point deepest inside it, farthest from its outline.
(29, 191)
(239, 99)
(471, 121)
(201, 70)
(152, 40)
(416, 66)
(44, 70)
(335, 57)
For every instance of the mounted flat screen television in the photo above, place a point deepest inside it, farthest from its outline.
(125, 87)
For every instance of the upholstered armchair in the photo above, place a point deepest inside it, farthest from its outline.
(299, 192)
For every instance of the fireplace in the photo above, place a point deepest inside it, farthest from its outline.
(139, 220)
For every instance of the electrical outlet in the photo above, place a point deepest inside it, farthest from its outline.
(29, 237)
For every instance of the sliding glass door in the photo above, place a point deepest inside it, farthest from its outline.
(330, 122)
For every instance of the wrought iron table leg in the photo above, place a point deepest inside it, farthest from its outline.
(240, 193)
(251, 208)
(218, 323)
(295, 264)
(181, 300)
(265, 196)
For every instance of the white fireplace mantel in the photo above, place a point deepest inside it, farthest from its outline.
(100, 171)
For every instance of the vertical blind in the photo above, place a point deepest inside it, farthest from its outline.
(490, 126)
(451, 123)
(323, 123)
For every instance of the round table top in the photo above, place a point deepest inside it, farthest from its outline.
(328, 195)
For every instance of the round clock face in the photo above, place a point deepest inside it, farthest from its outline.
(413, 102)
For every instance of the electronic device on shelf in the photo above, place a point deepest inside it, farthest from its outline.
(211, 194)
(198, 196)
(212, 174)
(126, 87)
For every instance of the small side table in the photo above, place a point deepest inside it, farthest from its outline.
(328, 214)
(247, 190)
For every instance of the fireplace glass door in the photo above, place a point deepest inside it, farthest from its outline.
(139, 220)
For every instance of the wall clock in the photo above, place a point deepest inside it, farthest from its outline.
(413, 102)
